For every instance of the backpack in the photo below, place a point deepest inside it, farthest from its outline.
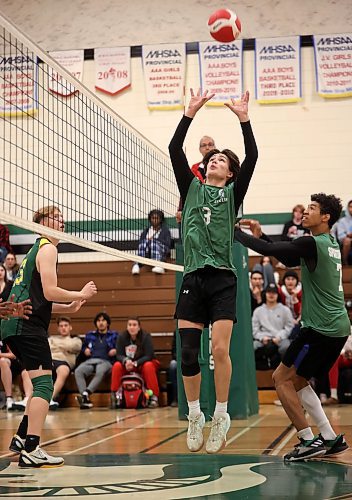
(344, 386)
(132, 392)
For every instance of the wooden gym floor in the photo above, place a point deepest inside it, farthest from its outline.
(130, 454)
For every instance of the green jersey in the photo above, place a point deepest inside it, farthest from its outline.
(28, 285)
(208, 219)
(323, 305)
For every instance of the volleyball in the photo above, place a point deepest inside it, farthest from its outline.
(224, 25)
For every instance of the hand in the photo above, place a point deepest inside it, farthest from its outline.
(197, 101)
(253, 225)
(129, 365)
(89, 290)
(178, 216)
(240, 108)
(76, 305)
(348, 354)
(257, 293)
(265, 340)
(276, 340)
(87, 352)
(292, 230)
(11, 309)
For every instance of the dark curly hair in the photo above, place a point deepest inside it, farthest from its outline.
(329, 204)
(103, 315)
(159, 213)
(234, 161)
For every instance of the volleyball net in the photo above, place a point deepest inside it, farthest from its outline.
(61, 145)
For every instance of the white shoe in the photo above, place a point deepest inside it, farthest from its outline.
(39, 458)
(195, 437)
(53, 405)
(217, 438)
(20, 405)
(135, 269)
(158, 270)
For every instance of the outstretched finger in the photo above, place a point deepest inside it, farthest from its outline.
(192, 93)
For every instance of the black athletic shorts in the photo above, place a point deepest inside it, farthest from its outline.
(32, 351)
(16, 367)
(56, 364)
(312, 353)
(207, 295)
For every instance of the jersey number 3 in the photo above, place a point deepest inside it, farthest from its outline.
(207, 215)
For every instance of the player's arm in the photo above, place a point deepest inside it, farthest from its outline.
(68, 308)
(240, 108)
(183, 173)
(287, 252)
(46, 265)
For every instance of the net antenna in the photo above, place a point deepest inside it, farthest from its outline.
(75, 153)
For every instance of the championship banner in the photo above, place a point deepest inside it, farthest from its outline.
(221, 70)
(72, 61)
(18, 85)
(112, 69)
(278, 70)
(333, 65)
(164, 75)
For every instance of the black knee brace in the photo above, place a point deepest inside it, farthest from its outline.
(190, 346)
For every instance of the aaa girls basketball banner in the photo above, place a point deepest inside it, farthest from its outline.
(221, 70)
(278, 70)
(72, 61)
(164, 75)
(333, 65)
(18, 85)
(112, 69)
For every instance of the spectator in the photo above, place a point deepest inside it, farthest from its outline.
(10, 367)
(206, 144)
(5, 284)
(344, 234)
(154, 242)
(256, 285)
(293, 228)
(173, 373)
(11, 266)
(272, 324)
(99, 346)
(135, 353)
(291, 296)
(64, 350)
(5, 246)
(344, 361)
(266, 267)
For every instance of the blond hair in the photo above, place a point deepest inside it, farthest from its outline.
(43, 212)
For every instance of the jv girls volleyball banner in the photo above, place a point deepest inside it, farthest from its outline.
(112, 69)
(221, 70)
(72, 61)
(18, 85)
(333, 65)
(164, 75)
(278, 70)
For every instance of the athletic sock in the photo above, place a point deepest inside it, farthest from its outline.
(312, 405)
(334, 393)
(32, 441)
(220, 409)
(22, 429)
(194, 408)
(306, 434)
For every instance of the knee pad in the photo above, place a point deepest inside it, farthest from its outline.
(190, 346)
(43, 387)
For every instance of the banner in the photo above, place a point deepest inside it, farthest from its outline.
(164, 75)
(333, 64)
(278, 70)
(18, 85)
(221, 70)
(112, 69)
(72, 61)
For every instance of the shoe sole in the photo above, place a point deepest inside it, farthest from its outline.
(217, 451)
(318, 454)
(332, 454)
(40, 466)
(195, 451)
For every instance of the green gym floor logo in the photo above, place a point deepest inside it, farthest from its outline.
(176, 476)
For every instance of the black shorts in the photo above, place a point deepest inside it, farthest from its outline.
(207, 295)
(32, 351)
(16, 367)
(56, 364)
(312, 353)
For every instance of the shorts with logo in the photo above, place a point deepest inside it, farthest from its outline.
(32, 351)
(207, 295)
(312, 353)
